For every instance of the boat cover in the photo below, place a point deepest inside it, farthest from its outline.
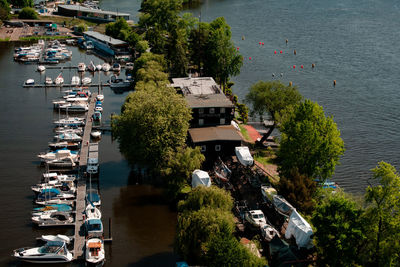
(300, 229)
(282, 206)
(200, 177)
(244, 156)
(269, 192)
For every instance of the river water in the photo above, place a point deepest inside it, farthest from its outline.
(143, 226)
(354, 42)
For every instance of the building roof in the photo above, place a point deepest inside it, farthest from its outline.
(218, 133)
(196, 86)
(104, 38)
(91, 10)
(208, 101)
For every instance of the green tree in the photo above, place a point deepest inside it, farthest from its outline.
(142, 46)
(178, 52)
(299, 190)
(310, 142)
(225, 250)
(27, 13)
(114, 29)
(151, 73)
(152, 122)
(145, 58)
(383, 213)
(81, 28)
(195, 229)
(179, 166)
(4, 10)
(22, 3)
(272, 97)
(340, 231)
(207, 197)
(198, 45)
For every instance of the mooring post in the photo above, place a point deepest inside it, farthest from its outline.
(109, 227)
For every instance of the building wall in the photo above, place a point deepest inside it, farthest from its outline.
(205, 117)
(213, 149)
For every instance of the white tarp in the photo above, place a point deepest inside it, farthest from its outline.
(244, 156)
(200, 177)
(300, 230)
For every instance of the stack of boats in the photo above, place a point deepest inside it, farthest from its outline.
(56, 52)
(93, 68)
(29, 53)
(74, 100)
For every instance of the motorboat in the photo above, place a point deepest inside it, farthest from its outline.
(88, 45)
(64, 144)
(48, 81)
(75, 80)
(255, 218)
(74, 107)
(51, 176)
(53, 218)
(94, 253)
(92, 212)
(98, 108)
(98, 67)
(58, 237)
(71, 137)
(94, 227)
(59, 79)
(91, 67)
(66, 129)
(92, 166)
(58, 154)
(93, 197)
(56, 207)
(73, 121)
(96, 134)
(86, 80)
(55, 202)
(65, 187)
(268, 232)
(30, 82)
(41, 68)
(100, 97)
(105, 67)
(51, 252)
(129, 65)
(53, 193)
(116, 83)
(81, 67)
(76, 96)
(116, 67)
(97, 116)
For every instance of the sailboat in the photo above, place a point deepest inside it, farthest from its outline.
(59, 79)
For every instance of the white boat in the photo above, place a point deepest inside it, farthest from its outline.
(62, 238)
(91, 67)
(100, 97)
(75, 80)
(74, 107)
(51, 252)
(98, 108)
(96, 134)
(59, 177)
(55, 202)
(92, 212)
(69, 137)
(116, 82)
(268, 232)
(105, 67)
(66, 187)
(30, 82)
(98, 67)
(64, 144)
(94, 227)
(116, 67)
(41, 68)
(86, 80)
(94, 253)
(48, 81)
(59, 79)
(70, 121)
(81, 67)
(53, 218)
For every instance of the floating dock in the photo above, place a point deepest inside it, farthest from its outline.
(79, 236)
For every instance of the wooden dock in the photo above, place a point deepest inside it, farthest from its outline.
(63, 85)
(79, 236)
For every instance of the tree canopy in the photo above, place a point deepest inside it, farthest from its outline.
(152, 122)
(207, 197)
(27, 13)
(310, 142)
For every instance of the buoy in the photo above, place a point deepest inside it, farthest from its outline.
(237, 48)
(275, 52)
(250, 58)
(280, 51)
(262, 43)
(287, 41)
(294, 52)
(242, 37)
(301, 66)
(294, 66)
(259, 43)
(313, 65)
(290, 83)
(334, 82)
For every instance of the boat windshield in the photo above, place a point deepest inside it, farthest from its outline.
(51, 247)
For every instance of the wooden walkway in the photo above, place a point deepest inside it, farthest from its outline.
(79, 236)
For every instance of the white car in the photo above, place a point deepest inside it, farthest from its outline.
(255, 217)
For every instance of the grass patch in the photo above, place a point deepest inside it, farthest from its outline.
(5, 39)
(36, 38)
(244, 132)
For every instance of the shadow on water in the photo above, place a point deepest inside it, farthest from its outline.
(156, 259)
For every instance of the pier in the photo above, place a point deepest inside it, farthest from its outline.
(63, 85)
(79, 236)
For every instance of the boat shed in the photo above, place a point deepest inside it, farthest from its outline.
(90, 13)
(107, 44)
(215, 141)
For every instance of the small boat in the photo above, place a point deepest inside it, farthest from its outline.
(53, 218)
(51, 176)
(98, 67)
(98, 108)
(41, 68)
(66, 129)
(129, 65)
(73, 121)
(91, 67)
(48, 81)
(57, 207)
(30, 82)
(61, 238)
(64, 144)
(100, 97)
(97, 116)
(75, 80)
(96, 134)
(71, 137)
(105, 67)
(116, 67)
(74, 107)
(65, 187)
(51, 252)
(55, 202)
(94, 253)
(81, 67)
(268, 232)
(116, 83)
(59, 79)
(53, 193)
(92, 196)
(92, 212)
(94, 227)
(88, 45)
(86, 80)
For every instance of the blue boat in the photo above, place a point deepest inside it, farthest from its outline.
(97, 116)
(94, 227)
(58, 207)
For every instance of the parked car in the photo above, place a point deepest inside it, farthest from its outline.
(255, 217)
